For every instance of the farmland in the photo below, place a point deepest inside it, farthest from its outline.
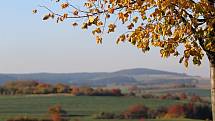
(190, 91)
(82, 107)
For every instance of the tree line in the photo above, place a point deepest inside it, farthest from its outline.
(138, 111)
(25, 87)
(36, 87)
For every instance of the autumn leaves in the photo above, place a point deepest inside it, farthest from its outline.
(164, 24)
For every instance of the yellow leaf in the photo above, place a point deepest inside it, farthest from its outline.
(91, 19)
(75, 12)
(64, 5)
(84, 26)
(65, 15)
(111, 10)
(98, 40)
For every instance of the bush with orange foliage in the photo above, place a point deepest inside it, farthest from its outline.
(175, 111)
(136, 112)
(57, 113)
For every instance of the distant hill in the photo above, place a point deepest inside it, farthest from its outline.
(127, 76)
(144, 71)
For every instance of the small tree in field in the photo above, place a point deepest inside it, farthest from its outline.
(136, 112)
(175, 111)
(184, 28)
(57, 113)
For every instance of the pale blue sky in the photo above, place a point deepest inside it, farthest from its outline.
(28, 44)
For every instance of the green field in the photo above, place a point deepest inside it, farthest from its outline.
(197, 91)
(189, 91)
(82, 107)
(90, 119)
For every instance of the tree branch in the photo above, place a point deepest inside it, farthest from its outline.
(88, 14)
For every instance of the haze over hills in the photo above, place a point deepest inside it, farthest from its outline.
(122, 77)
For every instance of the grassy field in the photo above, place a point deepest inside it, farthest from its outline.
(190, 91)
(82, 107)
(90, 119)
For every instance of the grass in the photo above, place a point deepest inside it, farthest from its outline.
(89, 119)
(197, 91)
(189, 91)
(84, 106)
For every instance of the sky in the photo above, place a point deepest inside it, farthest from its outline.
(30, 45)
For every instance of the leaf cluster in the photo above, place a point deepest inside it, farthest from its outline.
(171, 25)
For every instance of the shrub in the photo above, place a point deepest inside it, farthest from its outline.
(175, 111)
(136, 112)
(57, 113)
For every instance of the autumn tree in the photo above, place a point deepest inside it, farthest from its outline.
(136, 112)
(183, 28)
(175, 111)
(57, 113)
(62, 88)
(20, 86)
(43, 88)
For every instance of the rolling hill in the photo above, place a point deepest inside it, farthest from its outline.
(121, 77)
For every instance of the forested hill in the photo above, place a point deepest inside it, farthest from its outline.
(126, 76)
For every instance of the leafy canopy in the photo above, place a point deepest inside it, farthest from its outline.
(167, 24)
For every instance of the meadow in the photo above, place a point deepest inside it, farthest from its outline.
(78, 107)
(189, 91)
